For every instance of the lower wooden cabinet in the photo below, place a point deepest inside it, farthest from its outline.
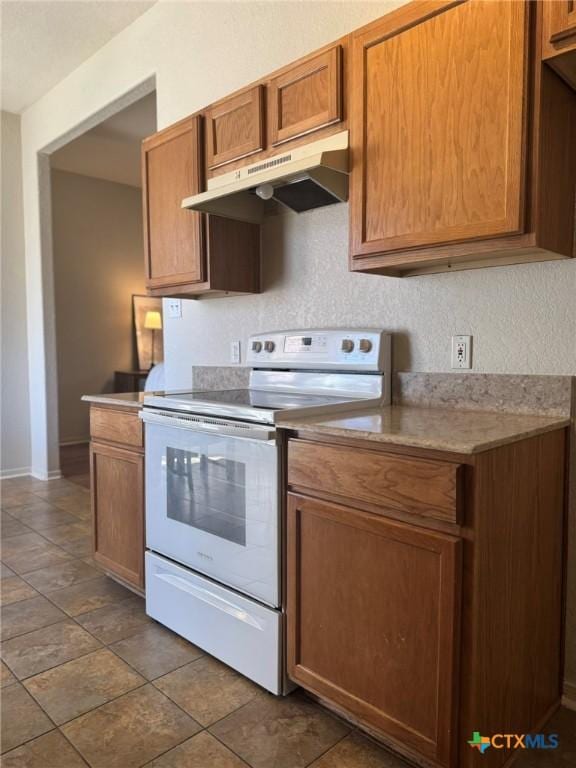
(424, 628)
(117, 484)
(373, 617)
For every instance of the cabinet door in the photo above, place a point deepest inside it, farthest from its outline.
(117, 478)
(235, 127)
(174, 238)
(306, 97)
(562, 24)
(438, 125)
(373, 612)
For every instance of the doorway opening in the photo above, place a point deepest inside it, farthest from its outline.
(104, 323)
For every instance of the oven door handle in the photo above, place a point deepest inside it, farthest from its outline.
(207, 424)
(215, 601)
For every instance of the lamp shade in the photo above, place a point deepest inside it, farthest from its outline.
(153, 320)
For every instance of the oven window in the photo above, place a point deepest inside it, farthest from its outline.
(207, 492)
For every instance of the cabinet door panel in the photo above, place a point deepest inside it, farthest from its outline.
(438, 126)
(117, 478)
(173, 236)
(563, 19)
(306, 97)
(234, 128)
(372, 619)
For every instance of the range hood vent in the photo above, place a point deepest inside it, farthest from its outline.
(307, 177)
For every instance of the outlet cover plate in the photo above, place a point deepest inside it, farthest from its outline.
(461, 352)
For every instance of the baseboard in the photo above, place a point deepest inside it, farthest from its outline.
(569, 696)
(53, 474)
(6, 474)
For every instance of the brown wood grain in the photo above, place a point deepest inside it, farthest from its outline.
(233, 255)
(559, 33)
(305, 98)
(188, 253)
(417, 486)
(512, 592)
(438, 125)
(117, 481)
(299, 140)
(174, 238)
(235, 127)
(115, 426)
(373, 620)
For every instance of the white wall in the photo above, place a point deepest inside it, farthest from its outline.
(15, 423)
(101, 157)
(98, 265)
(523, 317)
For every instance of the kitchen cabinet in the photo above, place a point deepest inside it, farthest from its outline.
(305, 97)
(117, 489)
(235, 127)
(449, 171)
(296, 104)
(559, 38)
(373, 627)
(424, 588)
(188, 253)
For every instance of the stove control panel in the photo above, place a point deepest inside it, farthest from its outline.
(359, 349)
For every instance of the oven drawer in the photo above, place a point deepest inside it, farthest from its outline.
(422, 487)
(238, 631)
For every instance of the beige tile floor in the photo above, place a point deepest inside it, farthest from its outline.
(87, 679)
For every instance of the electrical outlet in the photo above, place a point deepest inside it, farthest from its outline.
(235, 352)
(174, 308)
(461, 351)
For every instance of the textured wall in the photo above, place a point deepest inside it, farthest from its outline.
(15, 422)
(523, 318)
(98, 265)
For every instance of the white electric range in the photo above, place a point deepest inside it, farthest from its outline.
(213, 489)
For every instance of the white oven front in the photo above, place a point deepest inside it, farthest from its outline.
(212, 499)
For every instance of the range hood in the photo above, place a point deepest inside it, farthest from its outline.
(303, 178)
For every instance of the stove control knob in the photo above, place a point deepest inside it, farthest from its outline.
(256, 346)
(269, 346)
(365, 345)
(347, 345)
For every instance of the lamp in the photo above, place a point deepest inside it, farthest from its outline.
(153, 322)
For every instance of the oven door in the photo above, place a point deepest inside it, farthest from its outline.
(212, 499)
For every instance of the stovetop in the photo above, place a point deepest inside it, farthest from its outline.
(298, 373)
(252, 398)
(249, 404)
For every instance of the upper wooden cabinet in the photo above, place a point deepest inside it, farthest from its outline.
(559, 37)
(235, 127)
(447, 170)
(174, 238)
(188, 253)
(305, 97)
(278, 113)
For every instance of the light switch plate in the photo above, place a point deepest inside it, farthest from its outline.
(174, 308)
(461, 352)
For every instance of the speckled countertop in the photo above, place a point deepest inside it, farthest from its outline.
(125, 399)
(431, 428)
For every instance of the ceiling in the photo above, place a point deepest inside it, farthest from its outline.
(43, 41)
(111, 150)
